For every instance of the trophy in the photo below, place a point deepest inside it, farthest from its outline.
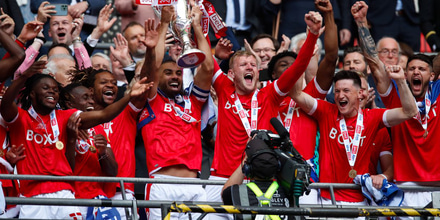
(180, 28)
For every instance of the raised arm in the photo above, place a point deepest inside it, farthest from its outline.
(359, 12)
(304, 100)
(8, 107)
(291, 75)
(104, 22)
(93, 118)
(167, 15)
(327, 67)
(203, 77)
(17, 55)
(409, 109)
(150, 69)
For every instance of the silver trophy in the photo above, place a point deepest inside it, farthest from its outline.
(180, 28)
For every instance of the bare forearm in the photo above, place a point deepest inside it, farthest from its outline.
(8, 107)
(406, 98)
(204, 75)
(17, 55)
(93, 118)
(386, 164)
(328, 65)
(108, 163)
(160, 47)
(70, 150)
(235, 179)
(369, 50)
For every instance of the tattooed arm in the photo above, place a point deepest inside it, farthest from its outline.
(359, 12)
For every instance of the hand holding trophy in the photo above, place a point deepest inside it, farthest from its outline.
(180, 27)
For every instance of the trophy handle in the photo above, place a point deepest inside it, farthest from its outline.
(180, 28)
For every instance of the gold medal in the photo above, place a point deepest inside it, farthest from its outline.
(2, 153)
(59, 145)
(352, 173)
(92, 149)
(425, 134)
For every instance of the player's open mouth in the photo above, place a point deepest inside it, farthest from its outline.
(248, 78)
(343, 103)
(174, 85)
(417, 83)
(61, 34)
(90, 108)
(50, 99)
(109, 93)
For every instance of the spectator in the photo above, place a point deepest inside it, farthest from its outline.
(76, 8)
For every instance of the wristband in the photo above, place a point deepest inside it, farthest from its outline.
(384, 176)
(40, 40)
(76, 40)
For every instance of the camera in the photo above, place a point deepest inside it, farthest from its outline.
(294, 174)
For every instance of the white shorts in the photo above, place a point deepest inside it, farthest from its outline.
(214, 194)
(173, 192)
(415, 200)
(51, 212)
(129, 195)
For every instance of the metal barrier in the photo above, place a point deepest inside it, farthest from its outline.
(208, 207)
(339, 211)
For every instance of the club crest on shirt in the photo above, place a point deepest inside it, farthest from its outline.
(144, 115)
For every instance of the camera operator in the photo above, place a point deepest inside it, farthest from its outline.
(260, 165)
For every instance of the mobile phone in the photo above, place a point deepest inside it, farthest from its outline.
(61, 9)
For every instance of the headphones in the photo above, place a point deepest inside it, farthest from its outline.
(247, 166)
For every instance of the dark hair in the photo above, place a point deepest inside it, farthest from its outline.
(131, 24)
(275, 42)
(273, 61)
(60, 45)
(355, 49)
(348, 74)
(167, 59)
(425, 58)
(29, 85)
(86, 77)
(65, 94)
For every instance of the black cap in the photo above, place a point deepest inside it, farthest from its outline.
(262, 159)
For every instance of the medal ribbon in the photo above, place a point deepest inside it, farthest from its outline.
(185, 114)
(83, 146)
(288, 118)
(243, 116)
(53, 124)
(424, 123)
(352, 150)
